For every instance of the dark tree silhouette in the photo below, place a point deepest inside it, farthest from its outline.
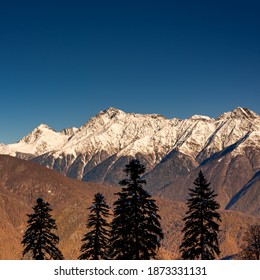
(136, 230)
(251, 246)
(39, 240)
(201, 228)
(96, 241)
(120, 232)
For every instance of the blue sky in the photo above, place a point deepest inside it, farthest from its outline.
(61, 61)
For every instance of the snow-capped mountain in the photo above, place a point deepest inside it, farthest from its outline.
(171, 149)
(125, 134)
(41, 140)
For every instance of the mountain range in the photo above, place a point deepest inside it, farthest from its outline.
(226, 149)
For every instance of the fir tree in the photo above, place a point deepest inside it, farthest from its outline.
(96, 241)
(39, 240)
(136, 230)
(120, 232)
(201, 228)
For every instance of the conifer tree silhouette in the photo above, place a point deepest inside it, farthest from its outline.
(96, 241)
(39, 240)
(136, 230)
(201, 229)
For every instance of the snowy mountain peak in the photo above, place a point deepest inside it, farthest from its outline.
(104, 117)
(41, 140)
(43, 126)
(112, 110)
(239, 113)
(36, 133)
(111, 113)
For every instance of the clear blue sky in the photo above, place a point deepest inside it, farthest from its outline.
(61, 61)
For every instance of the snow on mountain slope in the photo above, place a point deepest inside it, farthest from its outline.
(115, 132)
(41, 140)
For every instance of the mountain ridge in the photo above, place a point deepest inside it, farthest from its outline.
(114, 119)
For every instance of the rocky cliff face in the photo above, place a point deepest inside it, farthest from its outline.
(227, 149)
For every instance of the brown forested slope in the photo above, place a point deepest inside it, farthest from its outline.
(23, 181)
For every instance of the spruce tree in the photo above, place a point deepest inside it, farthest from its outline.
(39, 240)
(120, 232)
(136, 230)
(201, 228)
(96, 241)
